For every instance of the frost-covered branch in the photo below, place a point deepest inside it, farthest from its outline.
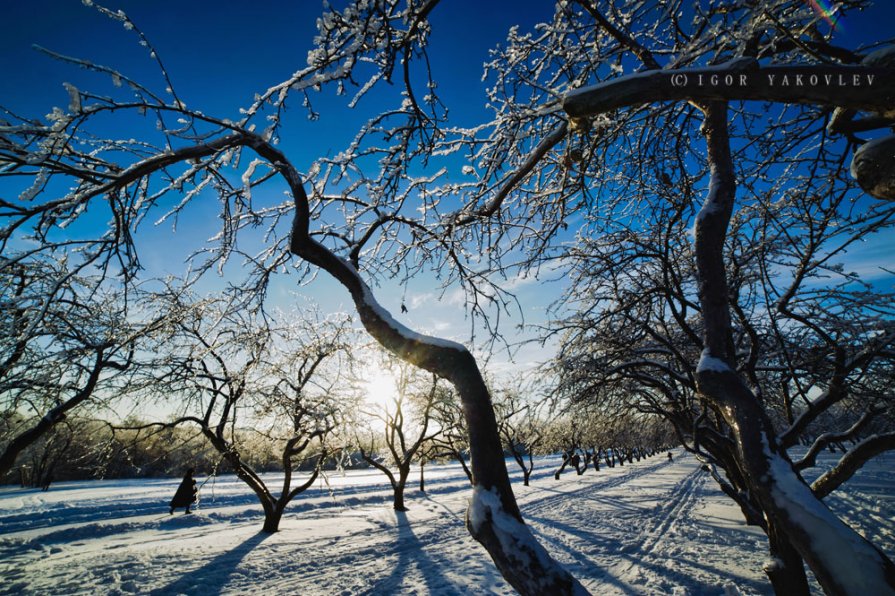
(851, 462)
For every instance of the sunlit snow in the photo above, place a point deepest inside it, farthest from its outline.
(651, 527)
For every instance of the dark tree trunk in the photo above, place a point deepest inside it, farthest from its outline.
(272, 517)
(398, 500)
(580, 465)
(398, 488)
(786, 570)
(422, 476)
(787, 502)
(567, 458)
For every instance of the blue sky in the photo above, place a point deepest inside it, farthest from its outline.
(219, 54)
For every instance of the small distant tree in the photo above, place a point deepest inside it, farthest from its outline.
(565, 434)
(521, 429)
(129, 154)
(304, 398)
(453, 440)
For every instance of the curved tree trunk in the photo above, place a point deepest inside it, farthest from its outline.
(272, 513)
(842, 560)
(494, 518)
(567, 458)
(494, 522)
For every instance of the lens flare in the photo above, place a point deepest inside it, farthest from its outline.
(827, 13)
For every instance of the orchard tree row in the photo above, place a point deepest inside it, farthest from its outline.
(242, 394)
(707, 230)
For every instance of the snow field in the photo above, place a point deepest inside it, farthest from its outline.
(652, 527)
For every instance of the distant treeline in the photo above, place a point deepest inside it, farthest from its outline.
(80, 449)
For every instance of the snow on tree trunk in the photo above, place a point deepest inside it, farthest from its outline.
(842, 560)
(539, 574)
(534, 570)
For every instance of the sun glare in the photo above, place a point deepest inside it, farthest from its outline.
(380, 388)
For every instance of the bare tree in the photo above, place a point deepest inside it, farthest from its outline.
(307, 372)
(240, 373)
(632, 169)
(350, 229)
(453, 440)
(566, 435)
(69, 344)
(407, 428)
(521, 429)
(655, 177)
(552, 152)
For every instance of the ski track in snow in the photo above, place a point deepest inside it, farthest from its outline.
(650, 527)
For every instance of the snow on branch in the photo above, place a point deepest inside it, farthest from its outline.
(869, 88)
(400, 328)
(850, 560)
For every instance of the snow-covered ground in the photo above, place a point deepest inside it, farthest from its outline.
(653, 527)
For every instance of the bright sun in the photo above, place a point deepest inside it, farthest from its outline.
(380, 388)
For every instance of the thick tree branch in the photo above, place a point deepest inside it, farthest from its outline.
(856, 87)
(809, 459)
(796, 518)
(851, 462)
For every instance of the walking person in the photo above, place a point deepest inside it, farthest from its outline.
(186, 493)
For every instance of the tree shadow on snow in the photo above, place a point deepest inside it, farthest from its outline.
(673, 575)
(410, 551)
(213, 576)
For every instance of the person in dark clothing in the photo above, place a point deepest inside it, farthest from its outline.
(670, 457)
(186, 493)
